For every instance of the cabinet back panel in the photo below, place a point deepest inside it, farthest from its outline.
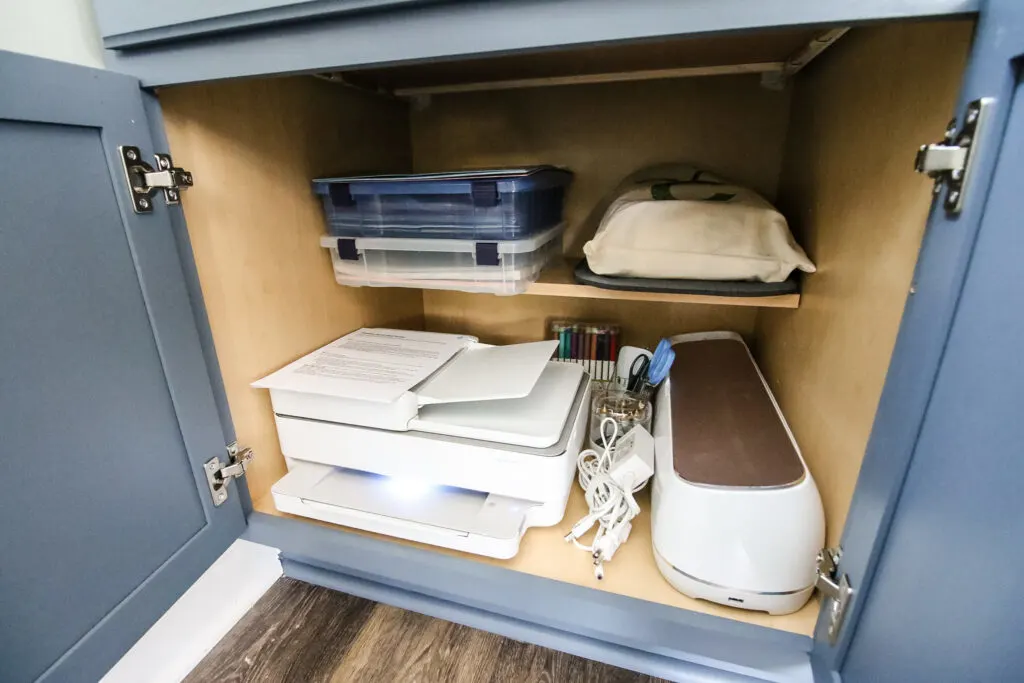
(605, 132)
(508, 320)
(254, 224)
(854, 202)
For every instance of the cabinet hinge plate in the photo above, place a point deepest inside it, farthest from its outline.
(219, 474)
(835, 588)
(949, 161)
(143, 180)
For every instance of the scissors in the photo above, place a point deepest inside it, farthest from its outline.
(637, 372)
(656, 370)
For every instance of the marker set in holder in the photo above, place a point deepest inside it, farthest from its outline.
(594, 346)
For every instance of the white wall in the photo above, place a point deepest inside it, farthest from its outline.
(194, 624)
(56, 29)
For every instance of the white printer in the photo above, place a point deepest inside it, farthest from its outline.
(430, 437)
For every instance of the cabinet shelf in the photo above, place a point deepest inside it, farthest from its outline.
(557, 280)
(632, 573)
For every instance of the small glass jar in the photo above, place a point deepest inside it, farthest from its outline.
(625, 407)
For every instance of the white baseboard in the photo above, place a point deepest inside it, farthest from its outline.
(186, 633)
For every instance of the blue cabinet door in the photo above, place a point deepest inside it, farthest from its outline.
(932, 541)
(106, 407)
(945, 602)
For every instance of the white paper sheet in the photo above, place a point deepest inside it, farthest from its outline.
(370, 364)
(484, 374)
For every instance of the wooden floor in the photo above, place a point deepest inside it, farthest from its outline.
(303, 633)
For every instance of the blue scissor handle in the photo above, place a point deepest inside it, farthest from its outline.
(660, 363)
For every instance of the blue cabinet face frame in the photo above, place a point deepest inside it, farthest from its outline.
(397, 31)
(110, 399)
(124, 23)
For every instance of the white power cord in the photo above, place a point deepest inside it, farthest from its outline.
(609, 479)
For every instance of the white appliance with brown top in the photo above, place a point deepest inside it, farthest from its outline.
(736, 515)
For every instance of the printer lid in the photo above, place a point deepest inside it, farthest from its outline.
(537, 420)
(488, 373)
(381, 365)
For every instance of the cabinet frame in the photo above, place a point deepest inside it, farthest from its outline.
(421, 580)
(645, 636)
(402, 32)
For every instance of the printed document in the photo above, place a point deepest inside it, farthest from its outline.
(370, 364)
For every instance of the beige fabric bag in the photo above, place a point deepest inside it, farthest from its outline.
(682, 223)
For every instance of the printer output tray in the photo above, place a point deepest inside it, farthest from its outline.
(460, 519)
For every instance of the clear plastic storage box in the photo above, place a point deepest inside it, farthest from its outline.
(498, 267)
(497, 204)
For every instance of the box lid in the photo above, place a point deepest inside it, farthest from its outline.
(449, 182)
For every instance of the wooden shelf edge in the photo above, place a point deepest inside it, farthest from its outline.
(633, 573)
(558, 281)
(586, 79)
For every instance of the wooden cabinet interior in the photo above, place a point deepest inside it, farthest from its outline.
(255, 228)
(834, 149)
(848, 191)
(605, 132)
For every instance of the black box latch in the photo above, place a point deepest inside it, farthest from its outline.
(347, 250)
(487, 254)
(485, 194)
(341, 195)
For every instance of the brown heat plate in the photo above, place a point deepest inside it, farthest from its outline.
(725, 429)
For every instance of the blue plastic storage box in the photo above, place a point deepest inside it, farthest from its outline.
(495, 204)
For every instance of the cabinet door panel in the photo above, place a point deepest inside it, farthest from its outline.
(945, 600)
(106, 410)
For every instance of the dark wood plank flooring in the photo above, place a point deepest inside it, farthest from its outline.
(304, 633)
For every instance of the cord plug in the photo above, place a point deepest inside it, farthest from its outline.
(609, 479)
(634, 459)
(606, 546)
(581, 527)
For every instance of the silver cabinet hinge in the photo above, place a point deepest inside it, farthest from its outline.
(219, 474)
(144, 180)
(948, 162)
(835, 588)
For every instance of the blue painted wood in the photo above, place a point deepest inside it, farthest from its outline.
(106, 409)
(155, 119)
(628, 658)
(924, 330)
(616, 620)
(945, 603)
(127, 23)
(473, 27)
